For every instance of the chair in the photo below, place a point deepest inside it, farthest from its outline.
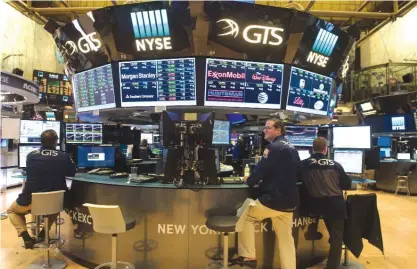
(108, 219)
(45, 204)
(403, 183)
(225, 225)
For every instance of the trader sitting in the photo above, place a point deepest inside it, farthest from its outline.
(276, 173)
(325, 179)
(46, 171)
(143, 151)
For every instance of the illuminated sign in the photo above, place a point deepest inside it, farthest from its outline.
(255, 34)
(345, 67)
(85, 44)
(322, 48)
(151, 30)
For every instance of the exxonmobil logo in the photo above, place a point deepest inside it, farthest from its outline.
(218, 75)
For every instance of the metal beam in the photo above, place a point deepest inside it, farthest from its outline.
(395, 6)
(407, 7)
(310, 5)
(361, 7)
(23, 8)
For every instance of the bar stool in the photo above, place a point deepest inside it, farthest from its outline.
(225, 225)
(402, 183)
(108, 219)
(45, 204)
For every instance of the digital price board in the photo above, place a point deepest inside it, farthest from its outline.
(308, 92)
(53, 88)
(243, 84)
(93, 89)
(168, 82)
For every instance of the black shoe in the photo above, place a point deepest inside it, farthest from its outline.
(242, 262)
(313, 236)
(29, 243)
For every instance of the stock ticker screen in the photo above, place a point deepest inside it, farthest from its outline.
(53, 88)
(243, 84)
(301, 135)
(309, 92)
(167, 82)
(221, 132)
(93, 89)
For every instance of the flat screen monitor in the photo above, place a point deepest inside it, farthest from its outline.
(4, 143)
(309, 92)
(366, 107)
(84, 133)
(156, 139)
(403, 156)
(351, 160)
(384, 141)
(352, 137)
(236, 118)
(54, 89)
(168, 82)
(95, 157)
(148, 137)
(301, 135)
(231, 83)
(23, 152)
(304, 154)
(385, 153)
(94, 89)
(31, 130)
(50, 115)
(221, 132)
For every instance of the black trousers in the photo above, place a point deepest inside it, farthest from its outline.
(335, 229)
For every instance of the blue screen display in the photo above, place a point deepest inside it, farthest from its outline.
(301, 135)
(385, 152)
(221, 132)
(236, 118)
(4, 143)
(95, 157)
(309, 92)
(384, 141)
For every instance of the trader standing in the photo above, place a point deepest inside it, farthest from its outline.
(276, 173)
(325, 179)
(46, 170)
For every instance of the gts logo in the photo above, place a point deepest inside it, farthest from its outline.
(321, 162)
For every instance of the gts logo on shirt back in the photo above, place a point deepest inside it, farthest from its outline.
(321, 162)
(46, 152)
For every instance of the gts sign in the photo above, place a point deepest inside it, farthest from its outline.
(255, 34)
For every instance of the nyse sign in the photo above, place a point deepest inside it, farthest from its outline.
(84, 44)
(317, 59)
(255, 34)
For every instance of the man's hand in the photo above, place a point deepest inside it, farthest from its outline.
(245, 178)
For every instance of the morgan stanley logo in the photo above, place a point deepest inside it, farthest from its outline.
(151, 30)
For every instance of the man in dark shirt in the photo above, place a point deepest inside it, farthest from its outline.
(325, 179)
(46, 170)
(276, 173)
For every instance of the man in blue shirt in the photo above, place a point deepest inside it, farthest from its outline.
(277, 174)
(46, 170)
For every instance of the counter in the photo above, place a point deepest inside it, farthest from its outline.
(386, 175)
(170, 227)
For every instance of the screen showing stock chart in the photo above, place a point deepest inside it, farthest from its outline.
(301, 135)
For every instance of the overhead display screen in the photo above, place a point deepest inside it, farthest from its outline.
(221, 132)
(31, 130)
(243, 84)
(352, 137)
(53, 88)
(93, 89)
(308, 92)
(169, 82)
(83, 133)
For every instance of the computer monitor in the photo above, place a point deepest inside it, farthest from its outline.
(385, 153)
(31, 130)
(301, 135)
(351, 160)
(221, 132)
(403, 156)
(23, 152)
(84, 133)
(4, 143)
(384, 141)
(352, 137)
(95, 157)
(304, 154)
(148, 137)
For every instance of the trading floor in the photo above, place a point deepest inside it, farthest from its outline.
(399, 229)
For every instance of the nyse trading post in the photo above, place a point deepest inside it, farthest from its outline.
(93, 89)
(243, 84)
(308, 92)
(159, 82)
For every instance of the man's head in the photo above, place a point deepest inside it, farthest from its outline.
(49, 139)
(273, 128)
(320, 145)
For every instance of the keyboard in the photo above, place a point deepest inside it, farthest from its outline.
(233, 180)
(143, 178)
(119, 175)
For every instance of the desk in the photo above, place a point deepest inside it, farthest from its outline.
(170, 230)
(386, 177)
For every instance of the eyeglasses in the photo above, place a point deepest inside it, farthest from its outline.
(269, 127)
